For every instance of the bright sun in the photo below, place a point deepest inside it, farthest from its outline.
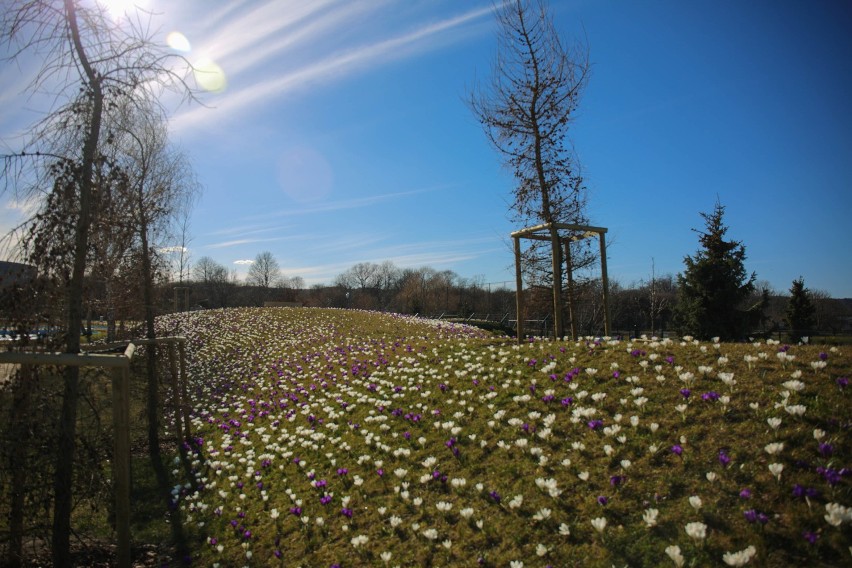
(119, 9)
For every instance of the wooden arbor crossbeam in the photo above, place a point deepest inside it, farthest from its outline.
(542, 233)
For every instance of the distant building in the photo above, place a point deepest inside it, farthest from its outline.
(12, 273)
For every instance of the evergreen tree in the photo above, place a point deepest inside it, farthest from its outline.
(800, 310)
(714, 287)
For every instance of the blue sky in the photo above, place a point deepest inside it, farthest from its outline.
(343, 136)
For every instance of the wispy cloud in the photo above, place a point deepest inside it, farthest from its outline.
(344, 204)
(238, 242)
(171, 249)
(244, 262)
(331, 68)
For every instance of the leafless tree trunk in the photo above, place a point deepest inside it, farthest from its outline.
(536, 86)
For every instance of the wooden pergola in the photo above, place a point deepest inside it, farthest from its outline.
(542, 233)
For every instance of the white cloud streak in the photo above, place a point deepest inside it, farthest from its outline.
(238, 242)
(334, 67)
(342, 205)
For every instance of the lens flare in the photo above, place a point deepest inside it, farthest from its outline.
(178, 42)
(209, 75)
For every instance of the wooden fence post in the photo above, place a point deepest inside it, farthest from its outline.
(176, 393)
(605, 282)
(519, 291)
(121, 460)
(20, 444)
(185, 398)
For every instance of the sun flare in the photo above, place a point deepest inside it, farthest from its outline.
(119, 9)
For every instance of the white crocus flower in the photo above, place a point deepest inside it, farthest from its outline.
(776, 469)
(650, 517)
(673, 552)
(696, 530)
(740, 558)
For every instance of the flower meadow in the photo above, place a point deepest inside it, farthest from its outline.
(342, 438)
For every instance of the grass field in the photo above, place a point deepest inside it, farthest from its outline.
(341, 438)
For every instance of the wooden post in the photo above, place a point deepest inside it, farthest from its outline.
(20, 426)
(121, 459)
(605, 282)
(556, 267)
(570, 289)
(176, 393)
(187, 425)
(519, 291)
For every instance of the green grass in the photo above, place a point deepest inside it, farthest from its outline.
(483, 457)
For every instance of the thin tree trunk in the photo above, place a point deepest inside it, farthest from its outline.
(68, 419)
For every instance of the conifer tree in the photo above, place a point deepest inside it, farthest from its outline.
(714, 288)
(800, 310)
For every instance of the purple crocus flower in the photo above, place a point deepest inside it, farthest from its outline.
(494, 495)
(826, 449)
(677, 449)
(843, 382)
(602, 500)
(685, 393)
(811, 536)
(724, 459)
(745, 493)
(712, 395)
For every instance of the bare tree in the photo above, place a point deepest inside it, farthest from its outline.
(182, 236)
(265, 274)
(206, 270)
(86, 63)
(526, 111)
(217, 282)
(265, 271)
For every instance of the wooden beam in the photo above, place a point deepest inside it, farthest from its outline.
(78, 360)
(605, 283)
(121, 461)
(526, 232)
(519, 291)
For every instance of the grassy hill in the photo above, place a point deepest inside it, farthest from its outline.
(347, 438)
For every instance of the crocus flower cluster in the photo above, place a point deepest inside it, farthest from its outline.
(392, 439)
